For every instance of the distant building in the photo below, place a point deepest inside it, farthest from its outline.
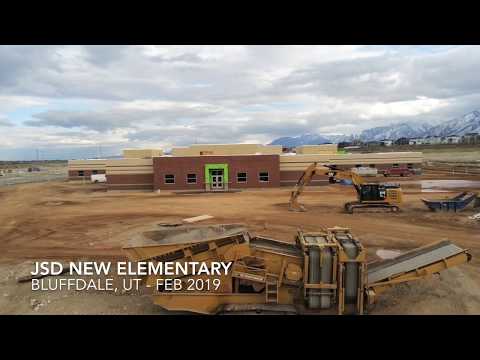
(433, 140)
(451, 139)
(344, 144)
(386, 142)
(417, 141)
(471, 138)
(402, 141)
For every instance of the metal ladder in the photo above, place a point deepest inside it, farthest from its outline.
(271, 289)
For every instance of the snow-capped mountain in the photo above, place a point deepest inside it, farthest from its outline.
(305, 139)
(460, 126)
(394, 132)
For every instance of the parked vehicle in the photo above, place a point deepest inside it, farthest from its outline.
(98, 178)
(365, 171)
(398, 171)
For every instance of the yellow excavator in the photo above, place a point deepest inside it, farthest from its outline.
(376, 196)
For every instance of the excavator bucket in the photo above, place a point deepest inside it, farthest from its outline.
(294, 205)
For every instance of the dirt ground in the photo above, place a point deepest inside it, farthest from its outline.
(73, 221)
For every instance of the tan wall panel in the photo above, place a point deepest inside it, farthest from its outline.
(270, 149)
(391, 156)
(75, 165)
(303, 158)
(141, 153)
(353, 159)
(129, 162)
(227, 149)
(317, 149)
(129, 168)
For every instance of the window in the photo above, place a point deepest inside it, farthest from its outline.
(358, 165)
(169, 179)
(410, 166)
(372, 165)
(241, 177)
(94, 172)
(263, 176)
(395, 166)
(81, 173)
(191, 178)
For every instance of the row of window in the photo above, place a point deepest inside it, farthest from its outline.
(82, 173)
(241, 178)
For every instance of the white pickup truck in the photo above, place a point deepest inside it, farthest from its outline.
(365, 171)
(98, 178)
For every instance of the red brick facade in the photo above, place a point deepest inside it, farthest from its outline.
(180, 167)
(130, 181)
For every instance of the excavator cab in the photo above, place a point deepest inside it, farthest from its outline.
(376, 196)
(380, 192)
(372, 192)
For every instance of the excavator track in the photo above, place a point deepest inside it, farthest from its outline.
(354, 207)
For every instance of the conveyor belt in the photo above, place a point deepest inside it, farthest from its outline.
(184, 234)
(262, 242)
(412, 260)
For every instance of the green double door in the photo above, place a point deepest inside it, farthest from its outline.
(216, 177)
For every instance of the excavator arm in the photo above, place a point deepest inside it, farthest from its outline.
(309, 173)
(304, 180)
(356, 179)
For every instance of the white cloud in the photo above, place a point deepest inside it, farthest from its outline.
(403, 108)
(176, 95)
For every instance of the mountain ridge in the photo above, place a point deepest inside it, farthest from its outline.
(462, 125)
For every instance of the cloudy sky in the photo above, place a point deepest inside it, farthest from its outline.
(86, 101)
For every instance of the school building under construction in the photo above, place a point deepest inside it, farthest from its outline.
(231, 166)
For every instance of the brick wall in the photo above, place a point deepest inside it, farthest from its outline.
(181, 166)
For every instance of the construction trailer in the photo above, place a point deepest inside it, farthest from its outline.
(324, 272)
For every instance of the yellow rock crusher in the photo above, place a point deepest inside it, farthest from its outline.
(323, 272)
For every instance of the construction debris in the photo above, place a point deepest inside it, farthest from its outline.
(36, 304)
(172, 224)
(475, 217)
(197, 219)
(387, 254)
